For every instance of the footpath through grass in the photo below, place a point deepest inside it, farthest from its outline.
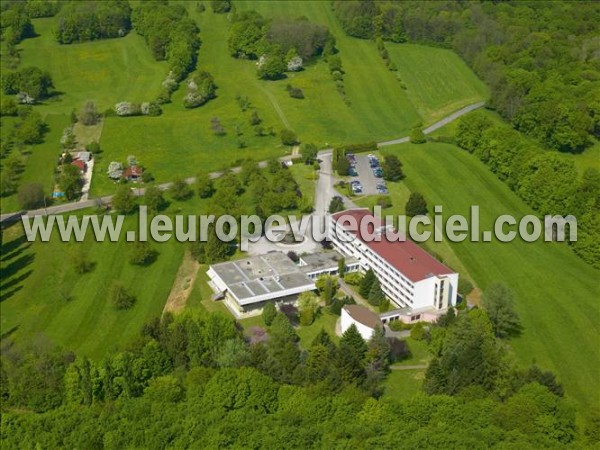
(557, 293)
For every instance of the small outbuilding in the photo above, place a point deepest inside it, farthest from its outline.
(364, 319)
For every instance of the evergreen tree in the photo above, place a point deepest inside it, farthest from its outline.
(416, 205)
(351, 355)
(392, 168)
(376, 294)
(367, 283)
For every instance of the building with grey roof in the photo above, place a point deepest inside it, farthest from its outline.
(251, 281)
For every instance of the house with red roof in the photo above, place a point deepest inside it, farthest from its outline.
(133, 173)
(409, 276)
(80, 165)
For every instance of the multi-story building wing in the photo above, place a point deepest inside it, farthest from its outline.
(409, 276)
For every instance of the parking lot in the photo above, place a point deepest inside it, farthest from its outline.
(365, 176)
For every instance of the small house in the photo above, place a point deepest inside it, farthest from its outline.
(133, 173)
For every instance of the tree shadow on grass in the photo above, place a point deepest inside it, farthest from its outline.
(14, 273)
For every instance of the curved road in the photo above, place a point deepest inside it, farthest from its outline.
(68, 207)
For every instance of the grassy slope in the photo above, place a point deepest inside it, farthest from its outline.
(379, 108)
(557, 292)
(438, 82)
(73, 310)
(106, 71)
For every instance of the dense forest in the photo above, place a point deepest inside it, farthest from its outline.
(540, 59)
(88, 21)
(192, 381)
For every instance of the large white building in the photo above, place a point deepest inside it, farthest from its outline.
(409, 276)
(246, 284)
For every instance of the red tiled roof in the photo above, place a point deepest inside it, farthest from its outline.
(406, 256)
(79, 164)
(133, 171)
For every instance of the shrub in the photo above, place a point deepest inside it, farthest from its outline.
(295, 92)
(352, 278)
(271, 67)
(398, 325)
(288, 137)
(294, 64)
(417, 136)
(180, 190)
(269, 312)
(141, 254)
(464, 286)
(384, 201)
(88, 115)
(216, 127)
(119, 297)
(81, 262)
(221, 6)
(201, 88)
(418, 331)
(147, 177)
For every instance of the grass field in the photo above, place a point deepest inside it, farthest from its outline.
(557, 292)
(106, 71)
(42, 293)
(438, 82)
(180, 143)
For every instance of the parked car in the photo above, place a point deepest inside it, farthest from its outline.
(352, 172)
(381, 188)
(378, 172)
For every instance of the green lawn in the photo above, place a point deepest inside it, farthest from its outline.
(106, 71)
(557, 292)
(42, 293)
(325, 320)
(403, 384)
(180, 142)
(438, 82)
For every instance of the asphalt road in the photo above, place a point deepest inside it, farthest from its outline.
(321, 201)
(439, 124)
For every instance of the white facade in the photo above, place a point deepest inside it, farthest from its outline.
(437, 291)
(347, 320)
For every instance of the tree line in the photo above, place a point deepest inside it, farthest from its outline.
(170, 34)
(547, 182)
(88, 21)
(196, 380)
(537, 58)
